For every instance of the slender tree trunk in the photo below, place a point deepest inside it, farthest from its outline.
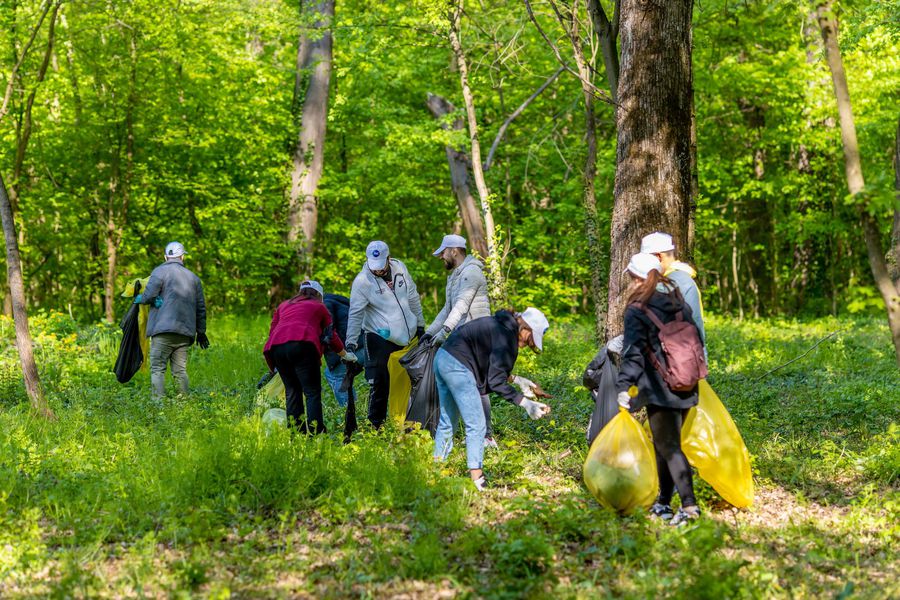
(607, 34)
(895, 230)
(497, 288)
(853, 170)
(20, 312)
(311, 87)
(653, 118)
(459, 178)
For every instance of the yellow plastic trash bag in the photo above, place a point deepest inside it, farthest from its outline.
(272, 394)
(620, 469)
(713, 444)
(401, 386)
(143, 313)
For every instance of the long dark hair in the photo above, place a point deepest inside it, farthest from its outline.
(647, 287)
(305, 294)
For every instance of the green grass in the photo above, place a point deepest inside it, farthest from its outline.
(195, 497)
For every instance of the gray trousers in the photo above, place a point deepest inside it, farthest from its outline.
(166, 348)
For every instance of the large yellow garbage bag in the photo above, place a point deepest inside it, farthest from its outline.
(713, 444)
(143, 313)
(620, 469)
(272, 394)
(401, 386)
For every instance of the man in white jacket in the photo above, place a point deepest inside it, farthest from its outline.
(384, 303)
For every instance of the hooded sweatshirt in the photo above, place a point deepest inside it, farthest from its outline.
(376, 308)
(466, 298)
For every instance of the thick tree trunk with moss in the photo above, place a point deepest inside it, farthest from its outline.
(653, 151)
(459, 177)
(311, 90)
(853, 170)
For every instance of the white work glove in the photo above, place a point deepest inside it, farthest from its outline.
(615, 345)
(440, 337)
(624, 400)
(349, 357)
(529, 388)
(535, 410)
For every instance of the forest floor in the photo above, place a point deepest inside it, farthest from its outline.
(195, 497)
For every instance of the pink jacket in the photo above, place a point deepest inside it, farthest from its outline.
(300, 321)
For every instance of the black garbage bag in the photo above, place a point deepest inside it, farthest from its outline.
(350, 422)
(424, 405)
(130, 357)
(600, 378)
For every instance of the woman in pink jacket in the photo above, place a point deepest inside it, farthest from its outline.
(300, 328)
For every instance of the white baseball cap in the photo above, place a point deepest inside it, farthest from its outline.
(174, 250)
(313, 285)
(642, 263)
(451, 241)
(657, 242)
(376, 255)
(538, 324)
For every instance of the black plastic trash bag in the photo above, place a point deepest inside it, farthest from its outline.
(131, 357)
(600, 378)
(424, 406)
(350, 422)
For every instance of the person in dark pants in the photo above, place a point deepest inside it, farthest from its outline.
(385, 304)
(295, 348)
(666, 408)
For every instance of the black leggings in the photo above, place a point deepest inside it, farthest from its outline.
(299, 365)
(671, 463)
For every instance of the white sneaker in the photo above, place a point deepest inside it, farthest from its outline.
(490, 443)
(480, 483)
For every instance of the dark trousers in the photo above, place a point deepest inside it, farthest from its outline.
(671, 463)
(299, 365)
(378, 351)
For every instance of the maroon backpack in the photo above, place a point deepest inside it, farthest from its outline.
(685, 363)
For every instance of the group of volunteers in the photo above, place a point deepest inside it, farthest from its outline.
(476, 354)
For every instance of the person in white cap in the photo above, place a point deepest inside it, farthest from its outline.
(478, 359)
(652, 301)
(177, 317)
(295, 347)
(682, 274)
(385, 305)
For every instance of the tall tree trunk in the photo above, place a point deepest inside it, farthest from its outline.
(311, 87)
(607, 31)
(459, 177)
(853, 171)
(653, 119)
(496, 286)
(20, 311)
(895, 230)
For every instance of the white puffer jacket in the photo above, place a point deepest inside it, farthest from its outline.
(467, 297)
(374, 306)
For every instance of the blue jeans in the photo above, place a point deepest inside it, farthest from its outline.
(459, 397)
(335, 378)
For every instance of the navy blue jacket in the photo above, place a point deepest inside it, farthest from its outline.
(339, 307)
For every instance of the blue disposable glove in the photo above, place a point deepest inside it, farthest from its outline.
(138, 299)
(157, 302)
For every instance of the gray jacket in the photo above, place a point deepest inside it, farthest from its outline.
(183, 307)
(683, 276)
(466, 298)
(376, 308)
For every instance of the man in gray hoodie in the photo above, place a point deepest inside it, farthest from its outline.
(177, 316)
(384, 302)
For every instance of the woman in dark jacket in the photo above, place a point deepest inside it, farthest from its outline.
(295, 348)
(666, 409)
(478, 359)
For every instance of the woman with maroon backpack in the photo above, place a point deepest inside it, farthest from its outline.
(662, 356)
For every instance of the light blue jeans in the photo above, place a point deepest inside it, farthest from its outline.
(459, 397)
(335, 379)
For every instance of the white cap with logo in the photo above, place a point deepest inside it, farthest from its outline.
(174, 250)
(376, 255)
(451, 241)
(310, 284)
(657, 242)
(538, 324)
(642, 263)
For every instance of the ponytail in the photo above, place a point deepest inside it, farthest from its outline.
(647, 287)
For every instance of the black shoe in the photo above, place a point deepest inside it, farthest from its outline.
(661, 511)
(685, 516)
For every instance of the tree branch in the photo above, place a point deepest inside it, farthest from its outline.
(515, 114)
(11, 84)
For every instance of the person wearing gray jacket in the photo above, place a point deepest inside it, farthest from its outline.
(177, 316)
(385, 304)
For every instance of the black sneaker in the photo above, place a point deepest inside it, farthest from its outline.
(661, 511)
(685, 516)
